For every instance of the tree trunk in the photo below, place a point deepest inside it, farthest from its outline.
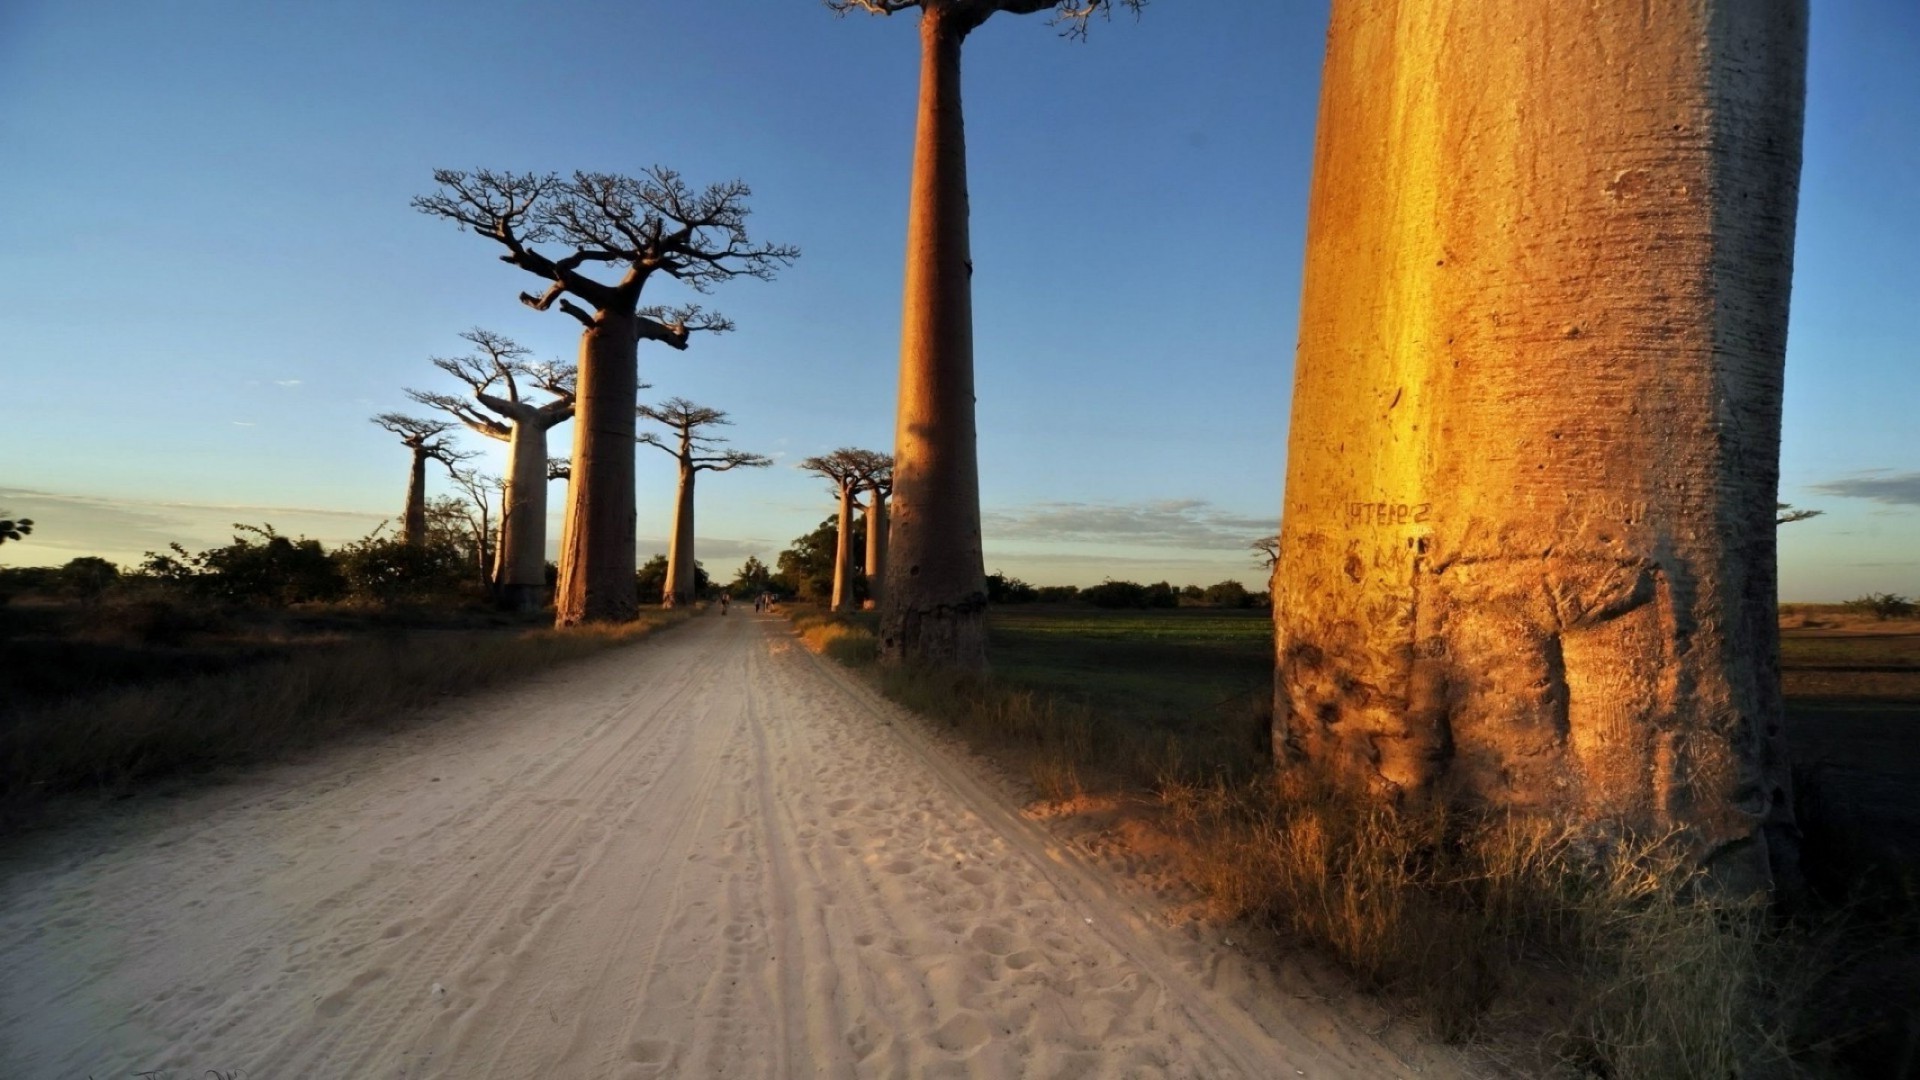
(934, 604)
(1528, 547)
(680, 580)
(597, 569)
(876, 546)
(843, 552)
(414, 520)
(522, 577)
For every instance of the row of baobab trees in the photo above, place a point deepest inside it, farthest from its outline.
(511, 399)
(1527, 552)
(515, 400)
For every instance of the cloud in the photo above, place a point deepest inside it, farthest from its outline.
(1879, 485)
(1193, 524)
(242, 423)
(66, 526)
(286, 382)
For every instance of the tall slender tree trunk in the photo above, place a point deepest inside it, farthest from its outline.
(934, 604)
(1528, 547)
(522, 576)
(876, 546)
(413, 521)
(680, 559)
(843, 553)
(597, 569)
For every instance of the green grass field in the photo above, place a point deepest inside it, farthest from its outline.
(1144, 665)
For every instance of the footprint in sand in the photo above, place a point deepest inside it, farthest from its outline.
(962, 1034)
(335, 1003)
(649, 1051)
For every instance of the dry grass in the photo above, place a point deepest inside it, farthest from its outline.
(1648, 973)
(1574, 955)
(115, 740)
(846, 638)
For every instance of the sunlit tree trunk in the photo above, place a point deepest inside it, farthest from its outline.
(597, 569)
(522, 579)
(934, 603)
(1527, 556)
(843, 553)
(413, 527)
(680, 558)
(876, 545)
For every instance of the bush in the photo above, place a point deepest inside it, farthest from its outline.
(87, 577)
(1057, 594)
(1002, 589)
(259, 567)
(1131, 594)
(1229, 594)
(389, 571)
(1882, 605)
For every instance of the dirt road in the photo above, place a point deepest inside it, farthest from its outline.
(711, 854)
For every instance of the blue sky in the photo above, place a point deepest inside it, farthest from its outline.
(210, 276)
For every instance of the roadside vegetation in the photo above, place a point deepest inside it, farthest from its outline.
(1547, 949)
(113, 680)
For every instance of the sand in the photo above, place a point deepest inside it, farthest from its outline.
(711, 854)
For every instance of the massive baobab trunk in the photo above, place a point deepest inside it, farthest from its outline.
(843, 553)
(876, 543)
(597, 569)
(934, 602)
(413, 520)
(1528, 547)
(522, 575)
(680, 558)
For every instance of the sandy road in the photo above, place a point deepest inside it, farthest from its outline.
(710, 855)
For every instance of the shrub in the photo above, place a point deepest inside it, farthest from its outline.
(1228, 593)
(87, 577)
(1002, 589)
(1882, 605)
(1116, 594)
(390, 571)
(259, 567)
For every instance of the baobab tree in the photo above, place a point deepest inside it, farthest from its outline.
(694, 453)
(935, 598)
(426, 439)
(477, 512)
(1528, 543)
(641, 226)
(879, 489)
(500, 382)
(847, 469)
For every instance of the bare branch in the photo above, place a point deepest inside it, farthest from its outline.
(848, 467)
(559, 468)
(463, 411)
(732, 459)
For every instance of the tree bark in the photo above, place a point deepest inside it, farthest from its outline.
(597, 569)
(843, 552)
(876, 546)
(680, 584)
(522, 578)
(413, 527)
(1527, 554)
(934, 604)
